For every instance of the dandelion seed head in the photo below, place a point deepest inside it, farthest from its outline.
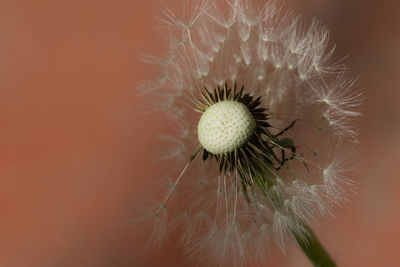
(258, 110)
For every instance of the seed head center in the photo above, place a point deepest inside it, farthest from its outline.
(225, 126)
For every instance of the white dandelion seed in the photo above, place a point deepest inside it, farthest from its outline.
(256, 104)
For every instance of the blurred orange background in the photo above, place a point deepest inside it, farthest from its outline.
(75, 149)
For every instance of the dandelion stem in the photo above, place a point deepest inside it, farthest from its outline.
(313, 249)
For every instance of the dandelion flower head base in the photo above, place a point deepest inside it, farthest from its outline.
(225, 126)
(234, 129)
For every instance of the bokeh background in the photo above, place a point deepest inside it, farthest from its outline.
(75, 148)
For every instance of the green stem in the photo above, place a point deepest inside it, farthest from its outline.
(313, 249)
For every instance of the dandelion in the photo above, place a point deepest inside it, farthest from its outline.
(259, 119)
